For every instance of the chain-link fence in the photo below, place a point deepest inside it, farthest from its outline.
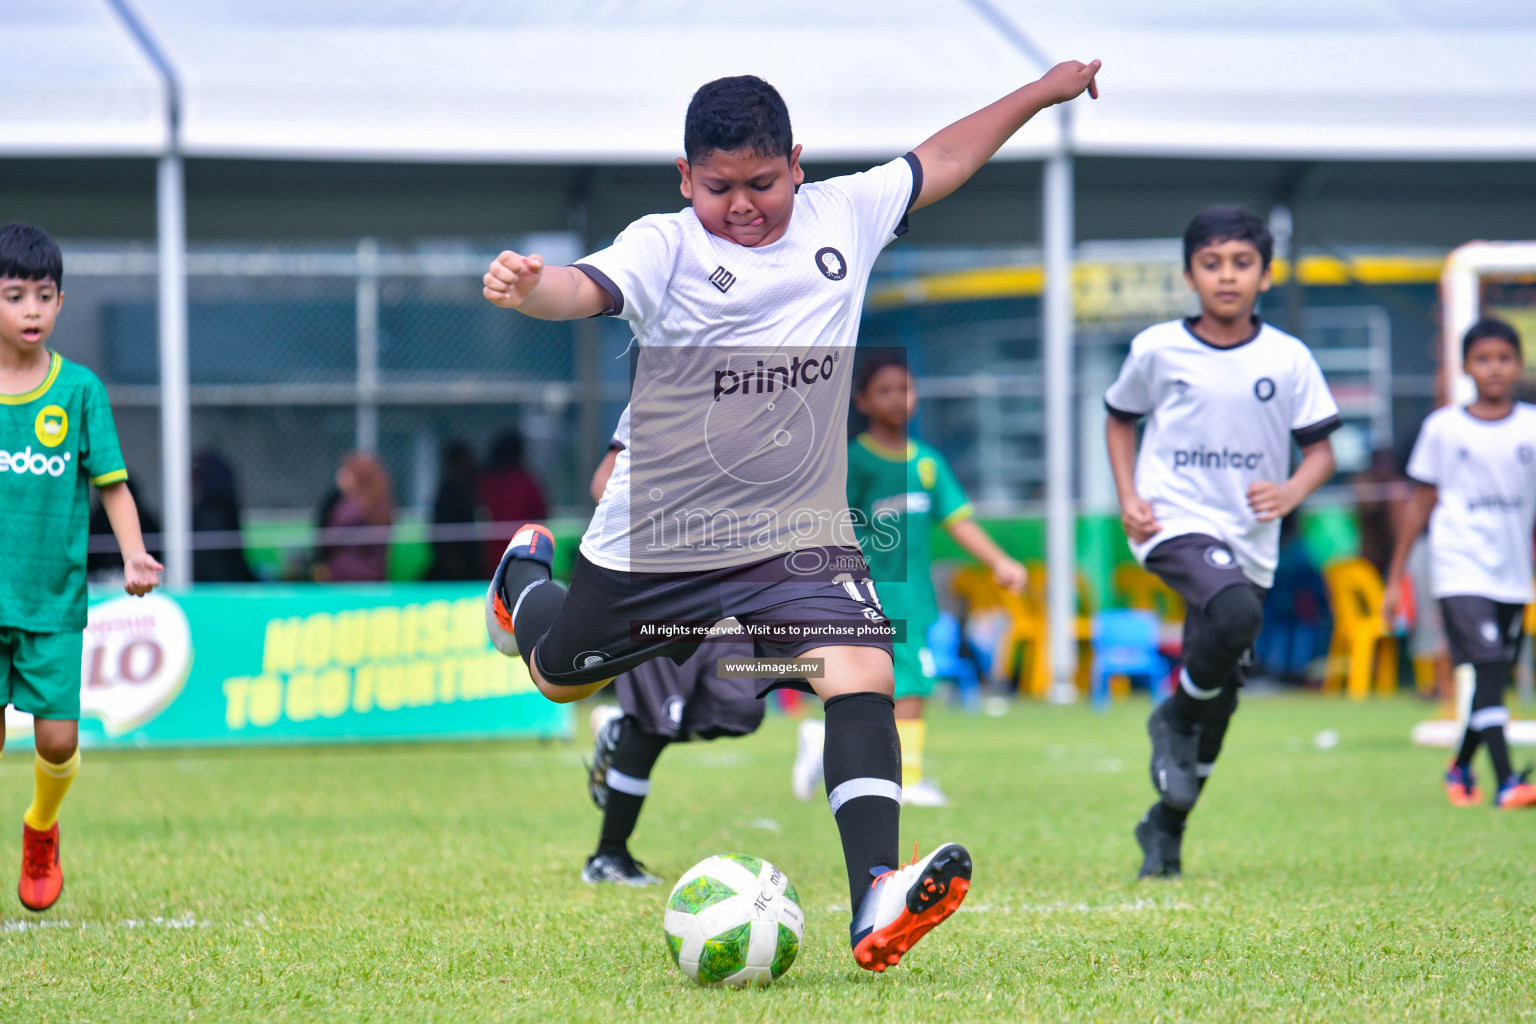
(298, 356)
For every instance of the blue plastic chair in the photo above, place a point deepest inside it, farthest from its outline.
(1125, 643)
(946, 642)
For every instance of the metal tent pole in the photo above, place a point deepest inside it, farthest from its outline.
(171, 231)
(1061, 526)
(175, 409)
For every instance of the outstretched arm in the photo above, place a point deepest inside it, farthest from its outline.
(525, 284)
(954, 154)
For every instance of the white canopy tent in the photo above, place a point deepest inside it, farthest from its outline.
(606, 81)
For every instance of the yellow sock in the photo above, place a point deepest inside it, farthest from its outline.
(911, 732)
(49, 784)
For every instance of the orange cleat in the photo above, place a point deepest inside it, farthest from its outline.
(903, 905)
(42, 879)
(1461, 787)
(1515, 793)
(532, 542)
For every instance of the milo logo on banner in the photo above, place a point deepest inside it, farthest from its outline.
(138, 652)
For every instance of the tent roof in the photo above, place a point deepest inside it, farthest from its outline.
(585, 81)
(606, 81)
(1307, 79)
(75, 84)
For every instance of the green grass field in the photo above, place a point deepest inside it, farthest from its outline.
(441, 883)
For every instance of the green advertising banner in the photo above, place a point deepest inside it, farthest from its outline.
(238, 664)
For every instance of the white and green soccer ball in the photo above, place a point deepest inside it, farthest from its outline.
(734, 919)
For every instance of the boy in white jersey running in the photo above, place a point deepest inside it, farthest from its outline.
(730, 498)
(1475, 468)
(1225, 395)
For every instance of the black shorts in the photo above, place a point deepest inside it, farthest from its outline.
(823, 594)
(1482, 631)
(1197, 567)
(692, 699)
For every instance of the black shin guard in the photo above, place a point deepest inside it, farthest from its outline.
(629, 782)
(1216, 642)
(862, 764)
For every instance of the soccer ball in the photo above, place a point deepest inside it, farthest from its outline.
(734, 919)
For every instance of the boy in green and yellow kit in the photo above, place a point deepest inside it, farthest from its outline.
(56, 439)
(899, 489)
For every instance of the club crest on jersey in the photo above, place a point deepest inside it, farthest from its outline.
(1219, 558)
(722, 279)
(1525, 453)
(51, 426)
(831, 263)
(1264, 389)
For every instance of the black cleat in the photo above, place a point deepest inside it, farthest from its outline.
(607, 728)
(1175, 751)
(619, 868)
(1161, 849)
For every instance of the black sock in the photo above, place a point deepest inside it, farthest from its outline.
(1218, 715)
(1470, 739)
(862, 764)
(533, 600)
(1489, 715)
(1498, 753)
(632, 761)
(1169, 819)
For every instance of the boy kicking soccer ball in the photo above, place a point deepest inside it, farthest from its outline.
(899, 489)
(730, 497)
(1475, 467)
(56, 439)
(1224, 395)
(660, 703)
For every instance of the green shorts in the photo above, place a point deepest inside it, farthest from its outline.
(40, 672)
(914, 669)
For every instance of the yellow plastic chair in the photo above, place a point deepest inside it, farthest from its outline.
(1141, 589)
(1361, 642)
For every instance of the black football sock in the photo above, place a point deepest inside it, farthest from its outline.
(1489, 716)
(532, 599)
(629, 782)
(1218, 715)
(1470, 739)
(862, 763)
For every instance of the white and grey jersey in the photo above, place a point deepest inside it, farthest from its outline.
(1219, 420)
(733, 443)
(1480, 533)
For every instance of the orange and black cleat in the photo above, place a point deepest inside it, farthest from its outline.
(1516, 793)
(1461, 786)
(903, 905)
(534, 543)
(42, 879)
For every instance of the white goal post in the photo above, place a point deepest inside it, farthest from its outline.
(1461, 297)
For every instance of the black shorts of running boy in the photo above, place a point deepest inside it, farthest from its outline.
(1482, 631)
(792, 603)
(1197, 567)
(692, 699)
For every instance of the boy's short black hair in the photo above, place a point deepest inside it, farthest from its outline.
(27, 253)
(739, 113)
(1216, 224)
(1490, 327)
(873, 364)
